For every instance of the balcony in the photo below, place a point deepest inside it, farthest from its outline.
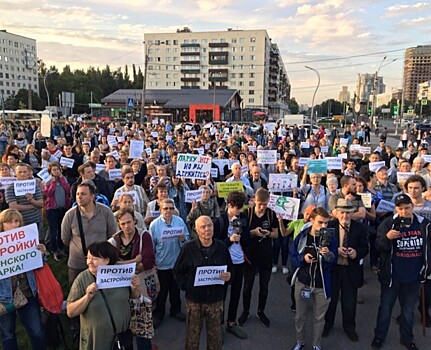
(218, 78)
(218, 61)
(191, 45)
(218, 58)
(184, 87)
(190, 79)
(190, 71)
(190, 62)
(218, 44)
(190, 54)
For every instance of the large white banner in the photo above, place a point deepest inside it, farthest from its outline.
(193, 166)
(115, 276)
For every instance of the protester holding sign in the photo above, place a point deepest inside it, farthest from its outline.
(88, 302)
(25, 283)
(206, 301)
(314, 193)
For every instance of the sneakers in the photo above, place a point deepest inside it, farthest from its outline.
(236, 331)
(315, 347)
(56, 256)
(293, 307)
(242, 320)
(274, 269)
(299, 346)
(410, 346)
(377, 343)
(262, 317)
(285, 270)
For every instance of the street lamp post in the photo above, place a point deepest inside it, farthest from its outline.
(46, 90)
(314, 95)
(375, 85)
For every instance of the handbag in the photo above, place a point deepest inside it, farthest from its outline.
(141, 318)
(122, 340)
(50, 294)
(19, 300)
(150, 284)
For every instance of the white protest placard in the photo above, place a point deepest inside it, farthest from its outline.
(214, 173)
(136, 149)
(226, 131)
(188, 127)
(324, 149)
(244, 169)
(252, 148)
(334, 163)
(282, 182)
(111, 138)
(375, 166)
(113, 143)
(114, 174)
(200, 150)
(342, 155)
(162, 121)
(221, 163)
(426, 158)
(6, 181)
(285, 207)
(113, 154)
(155, 213)
(148, 151)
(171, 232)
(365, 150)
(269, 127)
(343, 141)
(378, 149)
(58, 154)
(193, 132)
(115, 276)
(44, 175)
(305, 144)
(155, 121)
(155, 134)
(100, 167)
(194, 196)
(209, 275)
(18, 252)
(193, 166)
(67, 162)
(168, 137)
(24, 186)
(403, 176)
(134, 194)
(207, 146)
(266, 156)
(385, 206)
(232, 162)
(366, 199)
(303, 161)
(121, 139)
(355, 148)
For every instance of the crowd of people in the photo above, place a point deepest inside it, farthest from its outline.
(95, 205)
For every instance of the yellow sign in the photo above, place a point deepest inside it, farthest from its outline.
(224, 188)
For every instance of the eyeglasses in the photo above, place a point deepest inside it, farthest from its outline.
(168, 208)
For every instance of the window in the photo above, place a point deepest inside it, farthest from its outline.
(222, 40)
(234, 40)
(194, 41)
(241, 49)
(252, 58)
(241, 40)
(233, 58)
(168, 59)
(233, 49)
(168, 76)
(168, 50)
(251, 92)
(241, 58)
(252, 66)
(251, 83)
(251, 100)
(252, 39)
(240, 75)
(251, 75)
(167, 42)
(233, 75)
(204, 41)
(175, 42)
(252, 48)
(240, 83)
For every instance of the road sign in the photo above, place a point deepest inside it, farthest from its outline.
(410, 112)
(94, 105)
(130, 103)
(357, 108)
(424, 101)
(386, 110)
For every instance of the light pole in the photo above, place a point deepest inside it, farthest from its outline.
(46, 90)
(375, 85)
(212, 75)
(144, 80)
(314, 95)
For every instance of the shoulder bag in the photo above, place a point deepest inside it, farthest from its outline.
(19, 300)
(150, 285)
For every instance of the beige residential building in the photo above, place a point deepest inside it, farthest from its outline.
(245, 60)
(424, 91)
(386, 97)
(365, 87)
(417, 69)
(18, 64)
(344, 95)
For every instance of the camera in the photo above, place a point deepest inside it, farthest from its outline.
(400, 223)
(326, 234)
(238, 225)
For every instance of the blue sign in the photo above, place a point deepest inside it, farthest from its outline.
(317, 166)
(130, 103)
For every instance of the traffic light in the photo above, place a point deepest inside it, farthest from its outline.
(395, 110)
(369, 111)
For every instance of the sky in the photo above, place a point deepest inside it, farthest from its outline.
(339, 38)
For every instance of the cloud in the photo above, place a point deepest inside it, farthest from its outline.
(406, 9)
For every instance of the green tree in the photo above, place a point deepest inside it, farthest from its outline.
(293, 106)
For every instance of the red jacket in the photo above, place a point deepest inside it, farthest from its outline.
(49, 193)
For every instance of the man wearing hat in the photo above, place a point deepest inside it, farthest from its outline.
(404, 243)
(347, 275)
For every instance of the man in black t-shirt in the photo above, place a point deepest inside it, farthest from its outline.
(263, 226)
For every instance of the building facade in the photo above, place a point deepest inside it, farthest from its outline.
(424, 91)
(386, 97)
(417, 69)
(344, 95)
(365, 87)
(18, 64)
(244, 60)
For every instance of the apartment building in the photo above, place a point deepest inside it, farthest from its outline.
(245, 60)
(365, 87)
(18, 64)
(417, 69)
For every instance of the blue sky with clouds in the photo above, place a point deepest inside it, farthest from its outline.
(322, 34)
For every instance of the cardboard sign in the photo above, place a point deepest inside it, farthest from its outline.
(282, 182)
(136, 149)
(194, 196)
(114, 174)
(426, 158)
(148, 151)
(192, 166)
(100, 167)
(115, 276)
(355, 148)
(155, 213)
(366, 199)
(6, 181)
(269, 127)
(188, 127)
(58, 154)
(224, 188)
(134, 194)
(244, 169)
(404, 176)
(111, 138)
(113, 143)
(121, 139)
(324, 149)
(317, 166)
(23, 187)
(252, 148)
(200, 150)
(232, 162)
(343, 141)
(374, 167)
(114, 154)
(385, 206)
(303, 161)
(221, 163)
(365, 150)
(342, 155)
(214, 173)
(285, 207)
(18, 252)
(209, 275)
(266, 156)
(155, 134)
(67, 162)
(334, 163)
(155, 121)
(305, 144)
(45, 125)
(44, 175)
(172, 232)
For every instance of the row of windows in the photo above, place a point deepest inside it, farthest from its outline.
(197, 66)
(202, 41)
(168, 50)
(18, 77)
(17, 44)
(17, 52)
(18, 85)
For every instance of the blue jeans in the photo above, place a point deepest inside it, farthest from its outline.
(31, 320)
(408, 295)
(280, 244)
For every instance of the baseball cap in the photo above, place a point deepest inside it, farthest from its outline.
(402, 199)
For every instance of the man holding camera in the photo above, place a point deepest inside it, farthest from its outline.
(347, 275)
(404, 243)
(313, 254)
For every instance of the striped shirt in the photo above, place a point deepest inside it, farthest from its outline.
(30, 216)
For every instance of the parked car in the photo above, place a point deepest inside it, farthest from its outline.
(424, 127)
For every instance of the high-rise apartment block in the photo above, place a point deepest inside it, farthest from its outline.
(18, 64)
(344, 95)
(245, 60)
(417, 69)
(365, 87)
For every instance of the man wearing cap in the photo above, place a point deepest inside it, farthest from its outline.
(404, 243)
(347, 275)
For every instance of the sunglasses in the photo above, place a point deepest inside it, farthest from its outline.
(168, 208)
